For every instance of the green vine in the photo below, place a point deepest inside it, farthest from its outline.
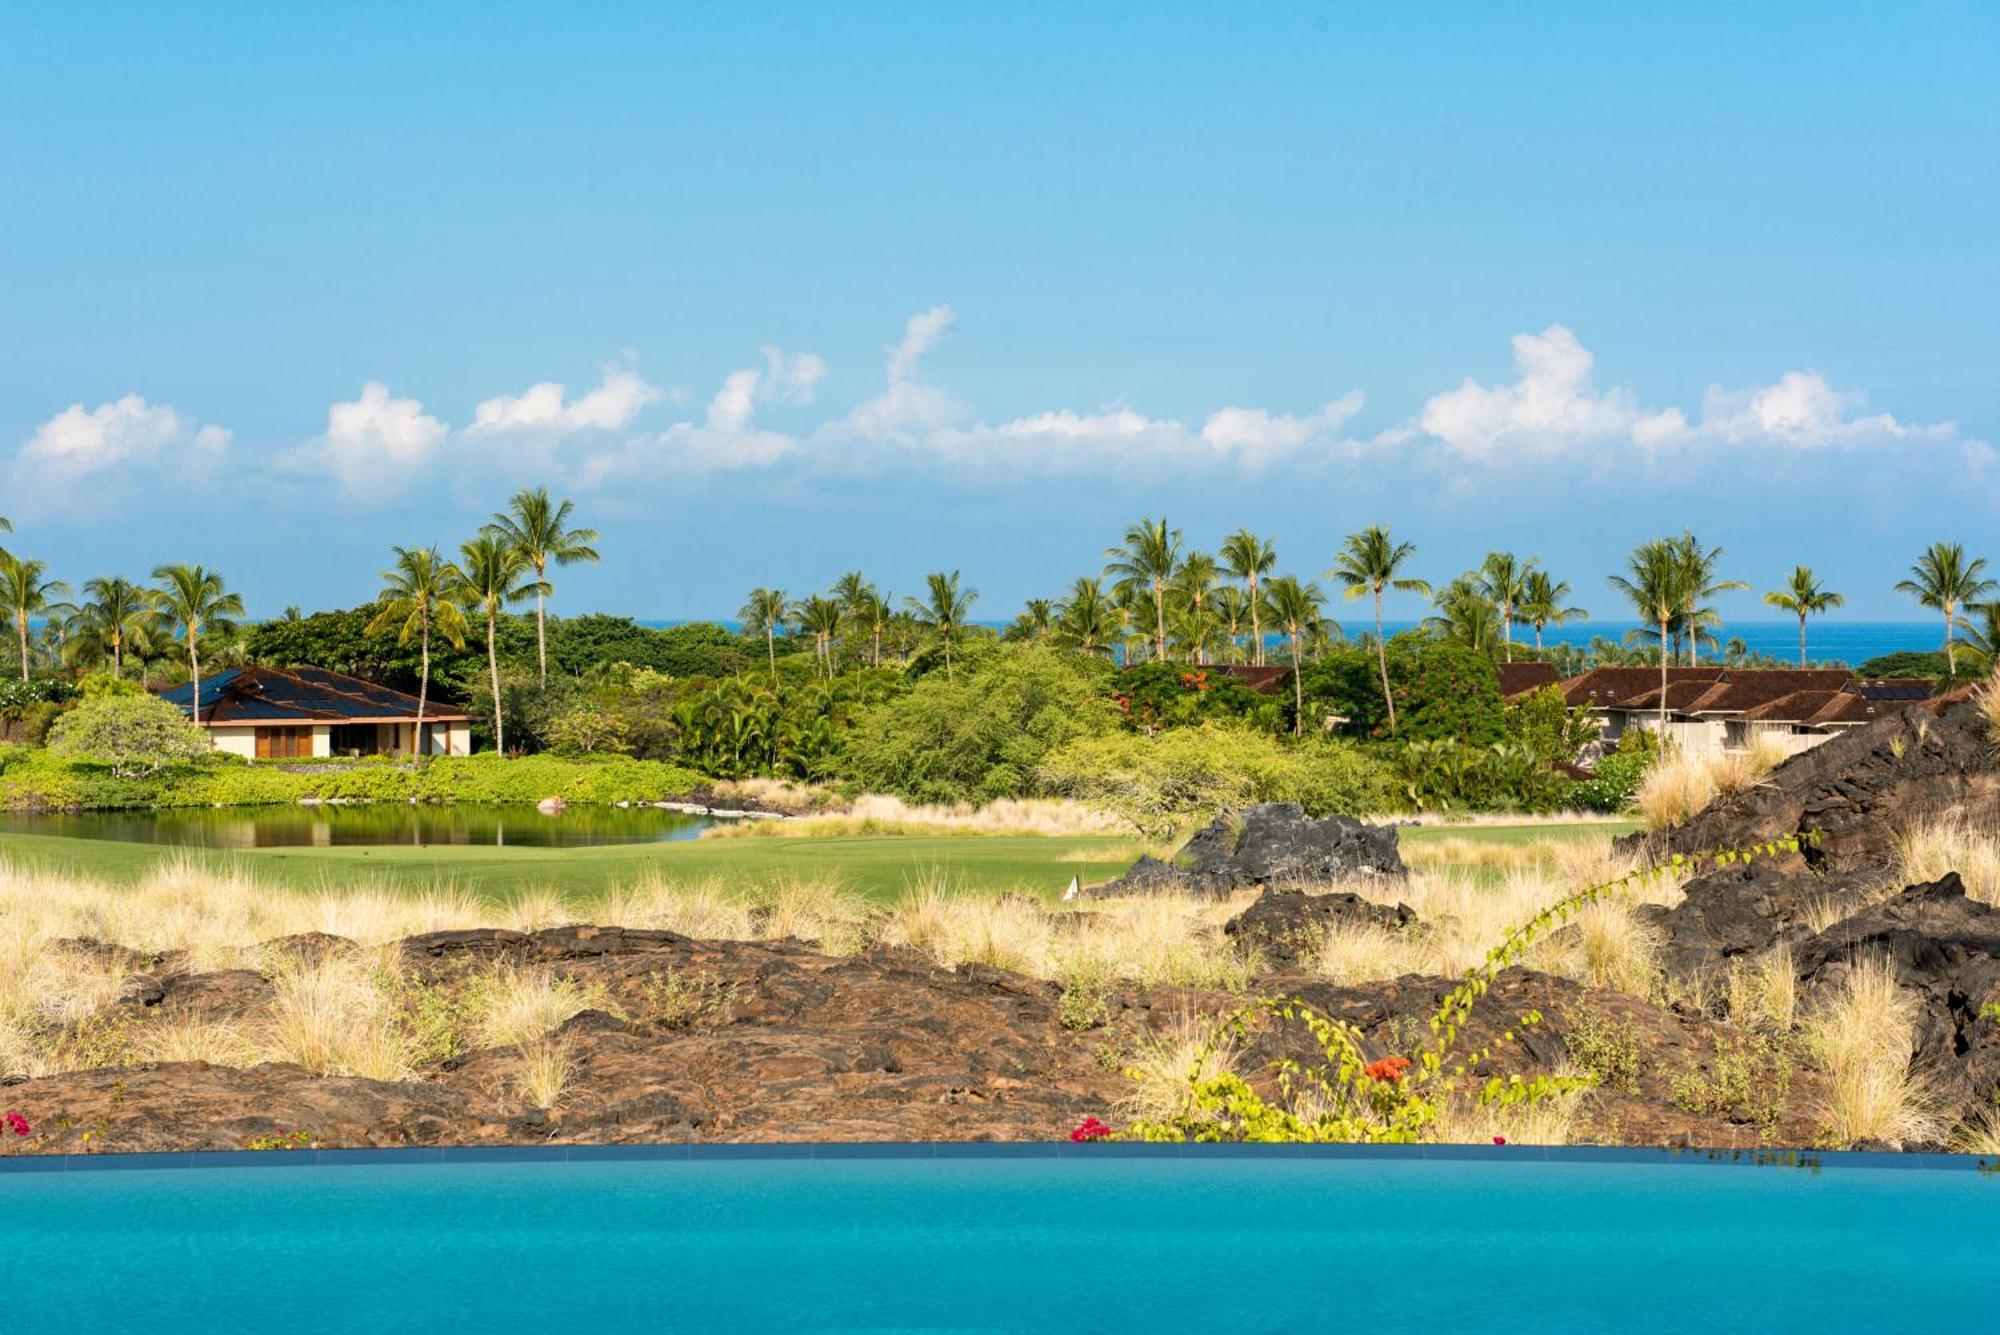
(1347, 1098)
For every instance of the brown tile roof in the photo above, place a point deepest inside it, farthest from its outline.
(1520, 678)
(1745, 689)
(1822, 709)
(1263, 680)
(1605, 687)
(251, 695)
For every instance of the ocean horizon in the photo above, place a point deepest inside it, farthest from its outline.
(1847, 643)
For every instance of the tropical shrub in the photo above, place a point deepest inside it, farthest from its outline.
(1171, 695)
(132, 734)
(1443, 690)
(981, 733)
(1166, 781)
(1544, 723)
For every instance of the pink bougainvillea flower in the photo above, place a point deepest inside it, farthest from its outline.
(1089, 1129)
(1499, 1140)
(18, 1124)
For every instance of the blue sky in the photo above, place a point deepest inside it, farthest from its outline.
(923, 286)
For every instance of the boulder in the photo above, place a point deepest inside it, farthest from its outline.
(1747, 907)
(1286, 927)
(1274, 843)
(1944, 947)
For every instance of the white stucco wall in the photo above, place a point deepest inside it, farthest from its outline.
(236, 741)
(322, 740)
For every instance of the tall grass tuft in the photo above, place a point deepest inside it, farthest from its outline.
(1862, 1033)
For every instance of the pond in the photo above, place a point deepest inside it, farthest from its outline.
(376, 824)
(1204, 1242)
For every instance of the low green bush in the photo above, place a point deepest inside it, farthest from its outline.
(1171, 779)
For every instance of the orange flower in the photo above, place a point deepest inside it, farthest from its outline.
(1389, 1068)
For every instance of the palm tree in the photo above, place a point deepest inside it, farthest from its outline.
(857, 599)
(1193, 586)
(1804, 597)
(1656, 585)
(1247, 557)
(192, 600)
(1945, 580)
(1368, 564)
(416, 599)
(1295, 606)
(1147, 559)
(1542, 599)
(1698, 581)
(1503, 581)
(538, 528)
(943, 609)
(1232, 608)
(765, 613)
(115, 613)
(819, 617)
(1087, 618)
(27, 594)
(1466, 614)
(493, 571)
(1982, 637)
(1036, 621)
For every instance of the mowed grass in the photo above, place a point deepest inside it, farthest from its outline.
(882, 868)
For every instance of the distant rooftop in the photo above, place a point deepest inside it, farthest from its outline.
(252, 695)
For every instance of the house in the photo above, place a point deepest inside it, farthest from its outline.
(283, 713)
(1714, 709)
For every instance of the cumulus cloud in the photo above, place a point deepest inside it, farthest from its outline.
(1259, 437)
(728, 437)
(124, 438)
(1552, 406)
(543, 409)
(908, 408)
(373, 445)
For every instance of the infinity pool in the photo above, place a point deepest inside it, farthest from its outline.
(1098, 1244)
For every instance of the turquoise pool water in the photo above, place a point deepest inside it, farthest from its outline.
(1080, 1244)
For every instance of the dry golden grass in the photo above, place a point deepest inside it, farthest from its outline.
(1681, 783)
(821, 911)
(707, 910)
(1928, 849)
(1165, 1064)
(516, 1008)
(878, 815)
(189, 1038)
(1764, 991)
(1463, 1120)
(1979, 1134)
(1862, 1033)
(544, 1073)
(333, 1017)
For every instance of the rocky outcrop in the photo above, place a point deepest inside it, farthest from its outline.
(1746, 908)
(1856, 791)
(1286, 927)
(1272, 844)
(1944, 948)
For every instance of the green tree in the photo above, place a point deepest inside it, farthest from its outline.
(1804, 596)
(765, 613)
(493, 572)
(1656, 582)
(1981, 638)
(1036, 622)
(1247, 557)
(538, 528)
(943, 609)
(819, 617)
(27, 594)
(1944, 580)
(1147, 559)
(1193, 589)
(1698, 581)
(135, 734)
(1466, 615)
(116, 613)
(417, 599)
(1503, 581)
(1371, 563)
(1295, 606)
(1542, 604)
(193, 600)
(1087, 619)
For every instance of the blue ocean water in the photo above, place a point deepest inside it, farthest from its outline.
(1046, 1245)
(1847, 642)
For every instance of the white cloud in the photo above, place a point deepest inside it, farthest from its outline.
(728, 437)
(907, 408)
(542, 408)
(373, 445)
(124, 438)
(1259, 437)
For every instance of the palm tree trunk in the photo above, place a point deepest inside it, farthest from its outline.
(1950, 658)
(118, 655)
(493, 674)
(194, 669)
(1802, 639)
(1507, 630)
(947, 652)
(423, 692)
(1160, 618)
(21, 622)
(1663, 679)
(771, 651)
(541, 633)
(1381, 659)
(1538, 639)
(1298, 691)
(1256, 624)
